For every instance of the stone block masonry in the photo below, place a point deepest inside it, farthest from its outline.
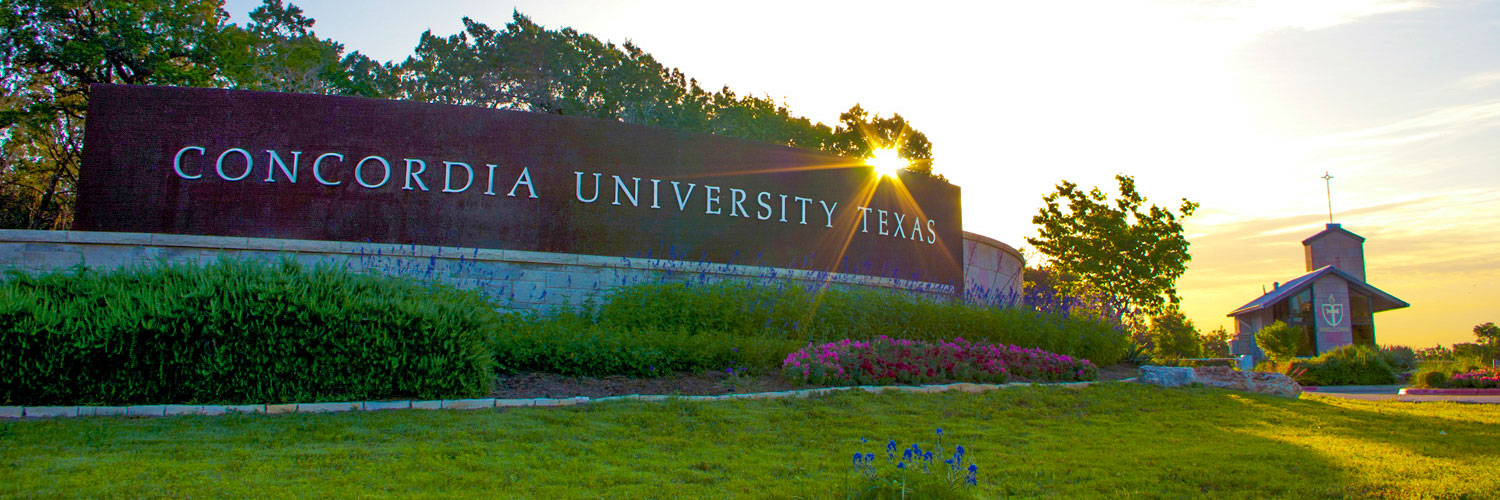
(515, 280)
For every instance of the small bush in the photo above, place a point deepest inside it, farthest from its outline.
(886, 360)
(1280, 341)
(236, 332)
(1400, 357)
(1347, 365)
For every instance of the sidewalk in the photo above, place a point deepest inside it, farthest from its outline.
(1389, 393)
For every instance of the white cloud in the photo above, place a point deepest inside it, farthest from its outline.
(1480, 80)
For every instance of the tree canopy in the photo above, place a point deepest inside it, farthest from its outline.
(1129, 254)
(52, 50)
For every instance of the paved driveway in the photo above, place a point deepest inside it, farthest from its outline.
(1389, 393)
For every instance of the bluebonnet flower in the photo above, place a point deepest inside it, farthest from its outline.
(906, 456)
(857, 457)
(927, 456)
(869, 457)
(901, 465)
(940, 431)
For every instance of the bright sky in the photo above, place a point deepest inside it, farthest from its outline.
(1240, 106)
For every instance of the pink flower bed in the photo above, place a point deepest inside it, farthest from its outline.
(886, 360)
(1484, 378)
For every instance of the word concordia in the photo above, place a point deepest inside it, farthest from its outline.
(375, 172)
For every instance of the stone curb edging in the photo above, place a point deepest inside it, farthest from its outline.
(1408, 391)
(18, 412)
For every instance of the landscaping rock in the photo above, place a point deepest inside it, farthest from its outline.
(1166, 376)
(1275, 384)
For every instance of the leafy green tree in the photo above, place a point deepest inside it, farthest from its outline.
(859, 134)
(1216, 343)
(1280, 341)
(1173, 336)
(51, 51)
(1130, 254)
(1488, 334)
(527, 67)
(278, 51)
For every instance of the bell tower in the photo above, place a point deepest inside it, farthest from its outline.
(1337, 247)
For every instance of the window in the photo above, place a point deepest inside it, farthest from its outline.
(1297, 311)
(1361, 320)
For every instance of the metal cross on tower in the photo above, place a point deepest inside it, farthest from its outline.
(1327, 187)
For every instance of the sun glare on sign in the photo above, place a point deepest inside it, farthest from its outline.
(886, 161)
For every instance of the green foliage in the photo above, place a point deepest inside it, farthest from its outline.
(1173, 336)
(1400, 357)
(50, 52)
(1280, 341)
(656, 329)
(1438, 374)
(526, 66)
(571, 345)
(1133, 256)
(237, 332)
(1216, 343)
(794, 313)
(1488, 334)
(1352, 364)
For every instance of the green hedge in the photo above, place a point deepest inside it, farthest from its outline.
(237, 332)
(791, 312)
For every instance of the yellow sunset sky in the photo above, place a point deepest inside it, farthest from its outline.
(1241, 106)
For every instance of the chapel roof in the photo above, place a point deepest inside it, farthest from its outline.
(1379, 300)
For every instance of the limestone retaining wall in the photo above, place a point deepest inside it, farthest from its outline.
(514, 279)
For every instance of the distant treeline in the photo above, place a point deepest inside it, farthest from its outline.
(51, 51)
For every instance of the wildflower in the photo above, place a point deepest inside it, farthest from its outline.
(857, 457)
(901, 465)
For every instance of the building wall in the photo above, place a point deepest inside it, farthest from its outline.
(1332, 290)
(1245, 327)
(1338, 250)
(514, 279)
(992, 271)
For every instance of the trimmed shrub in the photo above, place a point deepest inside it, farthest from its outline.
(886, 360)
(1347, 365)
(790, 312)
(237, 332)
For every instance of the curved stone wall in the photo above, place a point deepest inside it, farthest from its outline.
(992, 271)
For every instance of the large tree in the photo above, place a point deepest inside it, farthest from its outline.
(51, 51)
(1131, 254)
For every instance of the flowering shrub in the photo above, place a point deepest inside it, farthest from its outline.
(1478, 379)
(888, 360)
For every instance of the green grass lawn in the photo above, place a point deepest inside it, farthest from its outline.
(1107, 441)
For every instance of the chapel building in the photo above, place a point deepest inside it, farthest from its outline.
(1332, 304)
